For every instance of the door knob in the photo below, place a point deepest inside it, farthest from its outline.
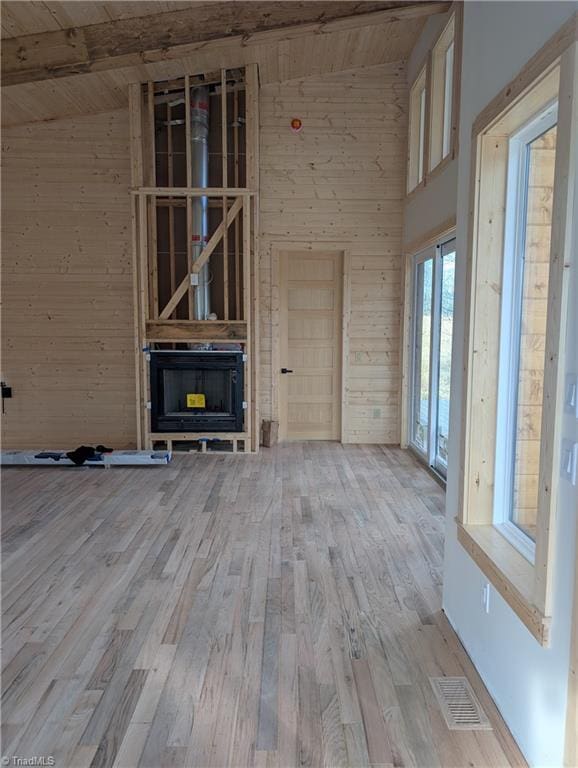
(286, 370)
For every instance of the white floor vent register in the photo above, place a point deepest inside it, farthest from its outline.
(461, 709)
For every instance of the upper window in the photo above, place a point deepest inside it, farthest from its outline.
(417, 117)
(442, 96)
(433, 104)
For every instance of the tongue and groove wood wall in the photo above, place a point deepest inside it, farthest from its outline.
(340, 181)
(67, 330)
(67, 286)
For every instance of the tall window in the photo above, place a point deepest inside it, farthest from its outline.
(433, 302)
(442, 100)
(524, 145)
(417, 124)
(530, 186)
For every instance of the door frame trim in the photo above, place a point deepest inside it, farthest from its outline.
(314, 246)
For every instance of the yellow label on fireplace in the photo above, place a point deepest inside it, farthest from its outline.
(195, 401)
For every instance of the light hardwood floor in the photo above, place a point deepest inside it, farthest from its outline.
(272, 610)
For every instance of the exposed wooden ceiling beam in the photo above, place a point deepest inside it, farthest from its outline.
(176, 34)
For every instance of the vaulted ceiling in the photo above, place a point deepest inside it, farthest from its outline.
(28, 18)
(67, 58)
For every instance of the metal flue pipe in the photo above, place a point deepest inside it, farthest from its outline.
(200, 178)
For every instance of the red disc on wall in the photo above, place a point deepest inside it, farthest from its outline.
(296, 124)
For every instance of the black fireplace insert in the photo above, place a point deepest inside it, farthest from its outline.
(196, 391)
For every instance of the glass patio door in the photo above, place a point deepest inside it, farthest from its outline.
(446, 269)
(421, 405)
(433, 303)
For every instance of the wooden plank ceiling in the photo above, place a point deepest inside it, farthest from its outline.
(29, 18)
(69, 58)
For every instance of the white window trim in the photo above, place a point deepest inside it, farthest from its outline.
(417, 130)
(421, 140)
(510, 326)
(518, 539)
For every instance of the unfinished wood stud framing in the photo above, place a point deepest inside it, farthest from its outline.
(159, 318)
(236, 182)
(136, 150)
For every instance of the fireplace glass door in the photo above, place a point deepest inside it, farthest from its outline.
(196, 392)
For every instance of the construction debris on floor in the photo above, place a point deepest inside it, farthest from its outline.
(95, 459)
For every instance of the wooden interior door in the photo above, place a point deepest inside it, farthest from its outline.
(311, 287)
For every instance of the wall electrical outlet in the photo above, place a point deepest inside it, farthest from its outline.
(486, 597)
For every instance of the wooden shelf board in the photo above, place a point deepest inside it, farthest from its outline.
(193, 191)
(198, 435)
(196, 330)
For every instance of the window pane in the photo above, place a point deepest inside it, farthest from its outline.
(448, 84)
(421, 136)
(424, 282)
(535, 257)
(417, 104)
(441, 85)
(448, 264)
